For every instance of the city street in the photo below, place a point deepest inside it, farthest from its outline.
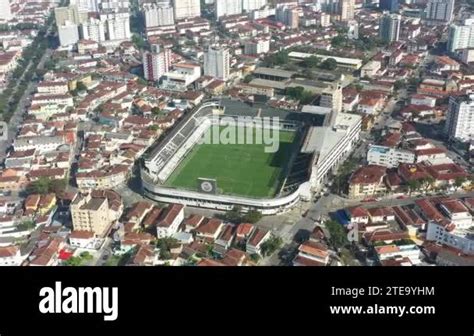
(18, 114)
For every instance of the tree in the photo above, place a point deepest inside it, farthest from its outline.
(427, 183)
(279, 58)
(299, 93)
(338, 41)
(40, 186)
(338, 236)
(414, 185)
(139, 42)
(271, 245)
(254, 257)
(312, 62)
(165, 245)
(252, 216)
(248, 78)
(73, 261)
(234, 215)
(459, 181)
(153, 128)
(45, 185)
(142, 81)
(26, 225)
(329, 64)
(81, 86)
(399, 84)
(343, 173)
(156, 110)
(86, 256)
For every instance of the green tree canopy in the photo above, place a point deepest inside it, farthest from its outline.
(252, 216)
(338, 235)
(329, 64)
(312, 62)
(271, 245)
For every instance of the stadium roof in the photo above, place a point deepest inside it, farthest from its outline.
(274, 72)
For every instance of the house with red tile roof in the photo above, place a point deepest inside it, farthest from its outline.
(367, 181)
(171, 220)
(381, 214)
(457, 212)
(244, 230)
(85, 240)
(312, 254)
(11, 256)
(209, 229)
(358, 215)
(192, 222)
(258, 237)
(46, 253)
(145, 256)
(447, 173)
(225, 239)
(234, 257)
(428, 210)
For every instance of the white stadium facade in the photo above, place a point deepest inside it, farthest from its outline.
(324, 141)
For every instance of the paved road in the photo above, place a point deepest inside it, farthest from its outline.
(17, 117)
(104, 253)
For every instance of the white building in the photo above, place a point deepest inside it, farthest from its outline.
(388, 157)
(460, 118)
(262, 13)
(5, 10)
(68, 34)
(157, 15)
(257, 46)
(86, 5)
(183, 75)
(250, 5)
(289, 16)
(169, 224)
(389, 27)
(439, 10)
(409, 251)
(217, 62)
(448, 234)
(461, 36)
(457, 212)
(10, 256)
(156, 63)
(467, 55)
(71, 14)
(186, 8)
(117, 25)
(85, 240)
(346, 9)
(331, 144)
(228, 7)
(256, 240)
(42, 144)
(419, 99)
(93, 30)
(370, 68)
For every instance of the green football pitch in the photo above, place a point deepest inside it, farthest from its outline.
(239, 169)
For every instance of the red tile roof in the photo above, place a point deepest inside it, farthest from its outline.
(171, 213)
(429, 210)
(369, 174)
(454, 206)
(77, 234)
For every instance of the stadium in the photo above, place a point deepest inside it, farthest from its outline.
(183, 169)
